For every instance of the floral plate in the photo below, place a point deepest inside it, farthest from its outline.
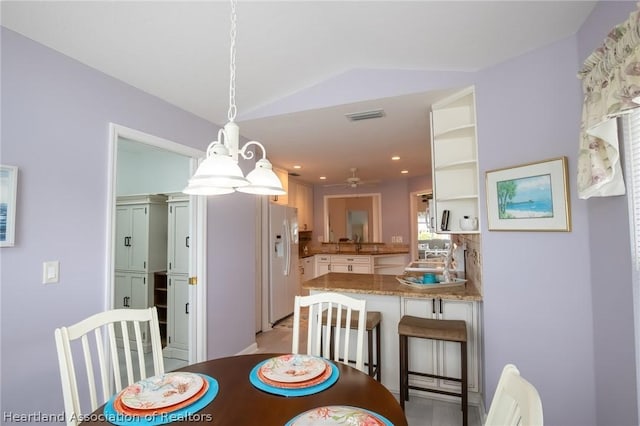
(161, 391)
(123, 409)
(293, 368)
(339, 415)
(296, 385)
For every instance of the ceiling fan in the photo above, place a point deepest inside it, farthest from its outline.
(353, 181)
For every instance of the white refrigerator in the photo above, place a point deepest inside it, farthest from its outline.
(282, 260)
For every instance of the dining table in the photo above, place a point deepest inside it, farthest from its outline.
(239, 403)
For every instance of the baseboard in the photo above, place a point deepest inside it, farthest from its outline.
(251, 349)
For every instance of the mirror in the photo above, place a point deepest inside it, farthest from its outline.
(352, 218)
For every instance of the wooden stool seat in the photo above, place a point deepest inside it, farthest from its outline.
(372, 324)
(434, 329)
(427, 328)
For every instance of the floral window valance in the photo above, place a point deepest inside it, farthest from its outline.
(611, 85)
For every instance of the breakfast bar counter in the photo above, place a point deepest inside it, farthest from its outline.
(387, 285)
(393, 299)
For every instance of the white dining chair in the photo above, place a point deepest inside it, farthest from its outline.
(113, 333)
(515, 402)
(330, 317)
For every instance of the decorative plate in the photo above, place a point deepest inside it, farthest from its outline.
(293, 368)
(296, 385)
(123, 409)
(161, 391)
(339, 415)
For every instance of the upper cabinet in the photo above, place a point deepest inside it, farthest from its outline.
(304, 203)
(141, 233)
(284, 179)
(301, 197)
(454, 155)
(178, 234)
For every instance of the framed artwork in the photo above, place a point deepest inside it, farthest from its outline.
(8, 192)
(529, 197)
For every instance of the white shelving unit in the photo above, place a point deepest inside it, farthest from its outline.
(455, 160)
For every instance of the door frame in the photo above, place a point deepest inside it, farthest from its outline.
(413, 210)
(197, 228)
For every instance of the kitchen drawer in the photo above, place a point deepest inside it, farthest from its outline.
(350, 259)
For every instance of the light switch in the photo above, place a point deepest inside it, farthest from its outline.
(50, 272)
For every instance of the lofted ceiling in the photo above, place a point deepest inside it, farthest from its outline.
(179, 51)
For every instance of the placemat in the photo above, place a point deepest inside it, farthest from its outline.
(116, 418)
(255, 381)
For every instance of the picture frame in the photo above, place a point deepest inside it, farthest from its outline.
(529, 197)
(8, 197)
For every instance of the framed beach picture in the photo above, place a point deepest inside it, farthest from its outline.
(529, 197)
(8, 191)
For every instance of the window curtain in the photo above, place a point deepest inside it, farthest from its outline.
(611, 85)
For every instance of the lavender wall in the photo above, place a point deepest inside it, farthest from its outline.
(613, 316)
(55, 118)
(537, 292)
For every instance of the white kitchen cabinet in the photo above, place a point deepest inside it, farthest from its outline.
(141, 233)
(454, 154)
(177, 317)
(304, 203)
(323, 264)
(300, 196)
(439, 357)
(283, 200)
(307, 268)
(134, 290)
(178, 234)
(351, 264)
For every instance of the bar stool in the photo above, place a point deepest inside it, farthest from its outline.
(373, 324)
(433, 329)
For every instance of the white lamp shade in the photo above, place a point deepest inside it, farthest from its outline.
(219, 171)
(198, 189)
(263, 181)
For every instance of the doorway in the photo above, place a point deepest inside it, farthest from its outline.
(151, 172)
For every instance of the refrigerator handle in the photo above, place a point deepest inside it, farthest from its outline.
(287, 248)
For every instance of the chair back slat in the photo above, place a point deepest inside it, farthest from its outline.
(91, 382)
(141, 363)
(124, 329)
(111, 349)
(329, 326)
(115, 358)
(102, 362)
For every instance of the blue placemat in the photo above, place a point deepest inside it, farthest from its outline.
(112, 416)
(255, 381)
(319, 423)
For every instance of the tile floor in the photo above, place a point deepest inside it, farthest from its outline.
(419, 411)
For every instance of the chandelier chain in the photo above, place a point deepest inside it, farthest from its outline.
(231, 115)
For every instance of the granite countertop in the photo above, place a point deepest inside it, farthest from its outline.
(362, 253)
(387, 285)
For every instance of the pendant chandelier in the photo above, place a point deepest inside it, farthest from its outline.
(220, 173)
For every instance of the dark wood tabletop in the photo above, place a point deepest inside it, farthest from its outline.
(239, 403)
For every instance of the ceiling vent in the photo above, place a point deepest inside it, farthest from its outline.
(365, 115)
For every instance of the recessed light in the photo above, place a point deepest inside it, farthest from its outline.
(323, 177)
(404, 172)
(395, 158)
(297, 166)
